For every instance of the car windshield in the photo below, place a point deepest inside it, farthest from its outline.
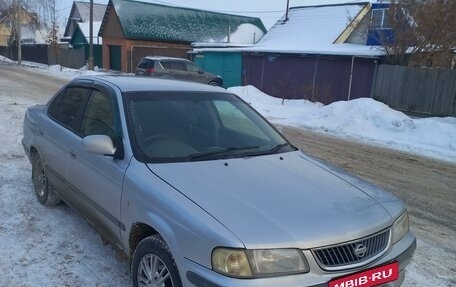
(190, 126)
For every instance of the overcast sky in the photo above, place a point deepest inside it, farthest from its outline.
(268, 10)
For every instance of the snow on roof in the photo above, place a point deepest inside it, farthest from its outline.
(310, 25)
(315, 28)
(324, 49)
(159, 22)
(85, 29)
(84, 11)
(246, 34)
(333, 2)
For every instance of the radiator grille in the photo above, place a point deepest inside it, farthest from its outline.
(352, 254)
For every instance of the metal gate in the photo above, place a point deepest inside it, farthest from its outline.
(227, 65)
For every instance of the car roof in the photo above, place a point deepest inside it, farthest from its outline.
(130, 83)
(159, 58)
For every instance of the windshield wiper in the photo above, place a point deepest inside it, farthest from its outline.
(278, 147)
(222, 152)
(273, 150)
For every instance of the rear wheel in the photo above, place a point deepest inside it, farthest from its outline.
(43, 192)
(153, 266)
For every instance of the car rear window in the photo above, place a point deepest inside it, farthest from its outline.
(146, 63)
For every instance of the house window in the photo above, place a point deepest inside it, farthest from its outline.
(379, 19)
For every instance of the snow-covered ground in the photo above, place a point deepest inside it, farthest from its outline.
(362, 119)
(39, 247)
(55, 70)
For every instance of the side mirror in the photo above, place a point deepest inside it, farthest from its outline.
(99, 144)
(200, 72)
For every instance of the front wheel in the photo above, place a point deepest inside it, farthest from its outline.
(43, 192)
(153, 266)
(214, 84)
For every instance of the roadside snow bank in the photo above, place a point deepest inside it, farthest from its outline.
(361, 119)
(5, 60)
(56, 70)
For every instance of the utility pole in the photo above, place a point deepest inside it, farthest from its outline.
(54, 43)
(91, 60)
(286, 12)
(19, 36)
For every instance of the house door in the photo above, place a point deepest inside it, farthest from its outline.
(115, 58)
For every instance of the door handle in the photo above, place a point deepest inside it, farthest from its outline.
(41, 132)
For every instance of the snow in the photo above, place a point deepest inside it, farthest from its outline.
(362, 119)
(5, 60)
(245, 34)
(311, 30)
(85, 29)
(311, 25)
(314, 30)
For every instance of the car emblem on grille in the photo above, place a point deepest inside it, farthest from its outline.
(360, 250)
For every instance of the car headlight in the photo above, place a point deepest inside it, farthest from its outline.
(242, 263)
(400, 227)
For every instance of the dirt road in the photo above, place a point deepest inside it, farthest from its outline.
(428, 187)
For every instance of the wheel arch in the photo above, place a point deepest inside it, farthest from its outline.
(141, 230)
(138, 232)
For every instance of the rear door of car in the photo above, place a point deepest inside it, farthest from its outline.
(175, 69)
(64, 114)
(98, 178)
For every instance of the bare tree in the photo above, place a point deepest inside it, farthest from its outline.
(423, 33)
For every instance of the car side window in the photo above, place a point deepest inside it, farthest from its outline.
(192, 67)
(142, 64)
(99, 115)
(177, 65)
(165, 65)
(68, 106)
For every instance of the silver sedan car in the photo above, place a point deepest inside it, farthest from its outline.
(199, 190)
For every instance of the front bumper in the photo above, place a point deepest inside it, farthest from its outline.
(195, 275)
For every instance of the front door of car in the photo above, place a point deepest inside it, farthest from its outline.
(98, 178)
(195, 73)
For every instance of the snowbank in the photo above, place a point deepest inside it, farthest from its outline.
(5, 60)
(361, 119)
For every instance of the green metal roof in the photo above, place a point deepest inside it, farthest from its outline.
(150, 21)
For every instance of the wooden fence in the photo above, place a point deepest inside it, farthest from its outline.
(44, 54)
(417, 90)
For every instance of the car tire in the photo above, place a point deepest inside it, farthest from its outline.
(213, 83)
(152, 252)
(44, 193)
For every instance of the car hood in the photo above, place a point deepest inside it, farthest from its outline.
(283, 200)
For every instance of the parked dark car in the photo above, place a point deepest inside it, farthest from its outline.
(199, 190)
(176, 68)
